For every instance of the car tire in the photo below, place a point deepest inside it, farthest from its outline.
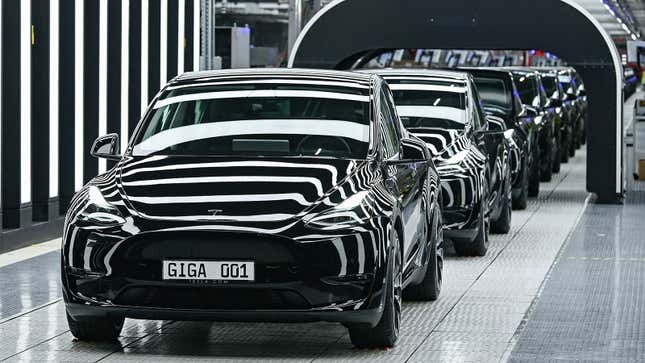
(503, 224)
(557, 159)
(521, 201)
(386, 332)
(97, 329)
(564, 150)
(572, 147)
(546, 173)
(534, 175)
(430, 288)
(478, 246)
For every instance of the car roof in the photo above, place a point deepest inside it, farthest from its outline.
(521, 70)
(431, 73)
(486, 70)
(268, 73)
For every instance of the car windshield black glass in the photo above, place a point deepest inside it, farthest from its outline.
(527, 90)
(551, 86)
(565, 81)
(430, 108)
(276, 121)
(494, 94)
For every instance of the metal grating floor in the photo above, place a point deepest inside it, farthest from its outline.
(591, 306)
(484, 302)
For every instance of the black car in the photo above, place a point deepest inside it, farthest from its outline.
(575, 90)
(564, 107)
(532, 93)
(272, 195)
(472, 155)
(500, 98)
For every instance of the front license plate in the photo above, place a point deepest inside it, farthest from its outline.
(209, 270)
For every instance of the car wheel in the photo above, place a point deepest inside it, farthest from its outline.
(564, 150)
(547, 172)
(583, 139)
(478, 246)
(521, 201)
(386, 332)
(534, 175)
(430, 288)
(572, 146)
(503, 224)
(557, 158)
(97, 329)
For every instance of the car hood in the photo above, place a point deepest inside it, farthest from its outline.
(443, 143)
(226, 190)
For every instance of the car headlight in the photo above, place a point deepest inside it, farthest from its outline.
(98, 211)
(351, 212)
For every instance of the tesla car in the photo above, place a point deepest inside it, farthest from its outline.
(471, 154)
(533, 96)
(500, 98)
(273, 195)
(564, 107)
(576, 94)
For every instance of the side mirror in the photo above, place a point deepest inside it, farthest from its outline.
(107, 147)
(496, 124)
(414, 150)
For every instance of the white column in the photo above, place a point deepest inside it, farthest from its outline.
(53, 97)
(163, 43)
(196, 35)
(144, 55)
(103, 59)
(295, 22)
(181, 34)
(125, 71)
(78, 95)
(25, 101)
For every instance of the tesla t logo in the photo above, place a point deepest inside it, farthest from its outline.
(215, 212)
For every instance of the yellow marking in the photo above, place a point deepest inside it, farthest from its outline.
(33, 35)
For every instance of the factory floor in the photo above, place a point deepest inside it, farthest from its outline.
(565, 284)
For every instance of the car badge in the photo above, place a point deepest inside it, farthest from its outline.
(215, 211)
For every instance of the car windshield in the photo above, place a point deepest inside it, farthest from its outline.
(566, 82)
(551, 86)
(259, 120)
(527, 89)
(430, 105)
(494, 94)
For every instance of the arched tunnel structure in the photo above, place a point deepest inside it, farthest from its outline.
(347, 29)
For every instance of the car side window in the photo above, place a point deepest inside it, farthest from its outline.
(396, 121)
(519, 107)
(536, 92)
(390, 139)
(479, 120)
(543, 97)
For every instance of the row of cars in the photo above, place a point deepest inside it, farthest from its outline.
(305, 195)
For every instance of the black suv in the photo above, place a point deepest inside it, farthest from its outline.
(500, 98)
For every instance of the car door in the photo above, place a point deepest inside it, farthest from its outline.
(405, 175)
(490, 144)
